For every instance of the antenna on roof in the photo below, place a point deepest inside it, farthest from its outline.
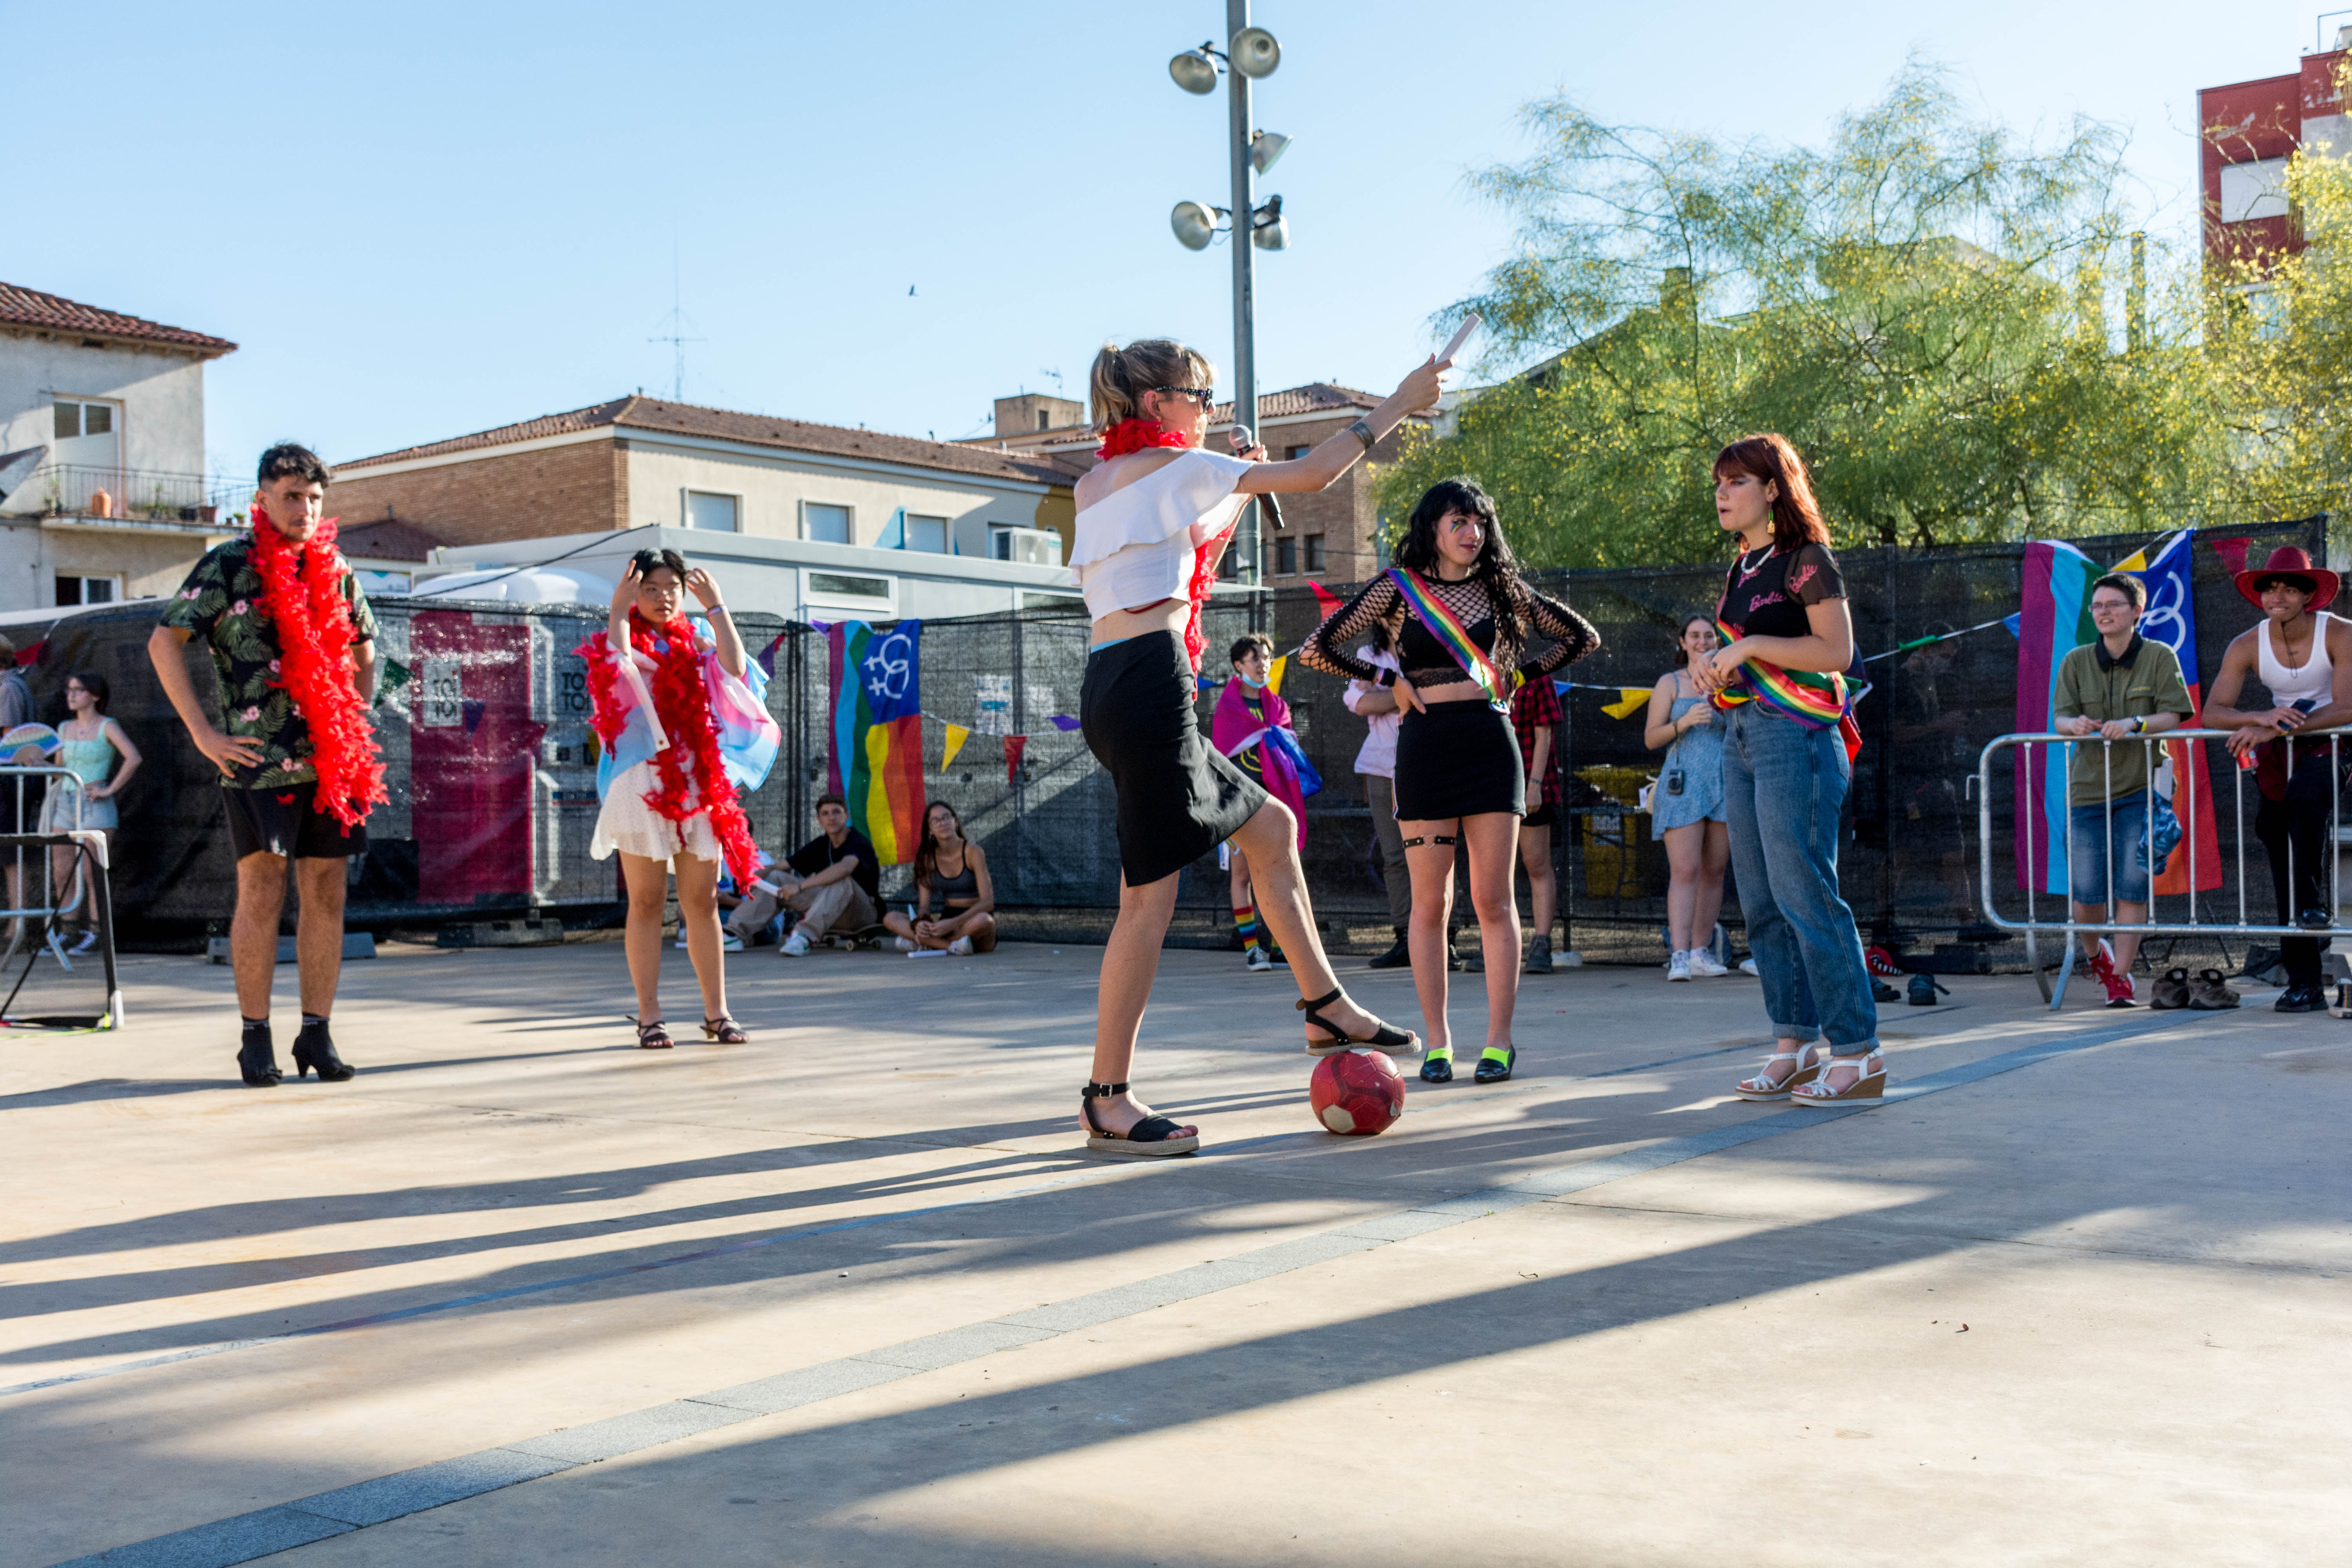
(676, 323)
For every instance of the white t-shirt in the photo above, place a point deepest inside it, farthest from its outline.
(1378, 755)
(1135, 546)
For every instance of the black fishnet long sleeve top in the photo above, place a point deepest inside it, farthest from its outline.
(1425, 659)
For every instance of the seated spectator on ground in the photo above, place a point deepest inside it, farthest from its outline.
(951, 874)
(834, 882)
(2119, 687)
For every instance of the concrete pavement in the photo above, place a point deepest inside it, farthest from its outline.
(853, 1294)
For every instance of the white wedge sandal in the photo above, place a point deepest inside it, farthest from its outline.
(1763, 1085)
(1870, 1082)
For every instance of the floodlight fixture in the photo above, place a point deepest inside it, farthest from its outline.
(1195, 223)
(1254, 52)
(1195, 70)
(1266, 146)
(1269, 230)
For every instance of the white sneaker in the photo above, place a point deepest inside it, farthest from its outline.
(1703, 965)
(795, 945)
(906, 944)
(927, 952)
(961, 947)
(730, 943)
(1259, 962)
(680, 943)
(1678, 967)
(1748, 966)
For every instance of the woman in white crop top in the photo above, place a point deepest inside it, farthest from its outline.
(1152, 521)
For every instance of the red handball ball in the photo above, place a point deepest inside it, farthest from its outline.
(1356, 1094)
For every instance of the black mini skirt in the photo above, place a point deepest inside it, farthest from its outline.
(1178, 799)
(1458, 759)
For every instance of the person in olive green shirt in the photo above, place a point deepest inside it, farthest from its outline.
(2118, 688)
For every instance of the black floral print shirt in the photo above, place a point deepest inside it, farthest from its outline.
(221, 603)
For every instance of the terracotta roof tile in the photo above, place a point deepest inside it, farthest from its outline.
(649, 414)
(30, 308)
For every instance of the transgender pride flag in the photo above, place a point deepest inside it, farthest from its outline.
(2053, 618)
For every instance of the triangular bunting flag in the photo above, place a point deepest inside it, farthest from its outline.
(1065, 723)
(1274, 673)
(1629, 698)
(1324, 600)
(957, 736)
(2232, 552)
(767, 656)
(1014, 746)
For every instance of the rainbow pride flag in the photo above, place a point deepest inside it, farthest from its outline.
(876, 759)
(2053, 618)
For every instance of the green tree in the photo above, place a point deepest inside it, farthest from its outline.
(1919, 304)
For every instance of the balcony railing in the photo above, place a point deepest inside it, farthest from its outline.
(70, 489)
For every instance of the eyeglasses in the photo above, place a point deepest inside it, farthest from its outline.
(1203, 396)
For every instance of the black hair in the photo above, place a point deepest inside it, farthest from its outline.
(2132, 588)
(1246, 642)
(95, 684)
(828, 798)
(648, 561)
(288, 460)
(1496, 569)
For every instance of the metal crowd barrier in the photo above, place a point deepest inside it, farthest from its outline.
(2191, 789)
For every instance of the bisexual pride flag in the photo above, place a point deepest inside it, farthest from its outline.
(2053, 618)
(876, 760)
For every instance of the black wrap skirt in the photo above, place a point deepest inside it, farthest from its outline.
(1178, 799)
(1458, 759)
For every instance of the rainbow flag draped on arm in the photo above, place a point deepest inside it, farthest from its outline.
(876, 758)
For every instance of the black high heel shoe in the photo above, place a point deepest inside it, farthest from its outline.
(314, 1050)
(257, 1061)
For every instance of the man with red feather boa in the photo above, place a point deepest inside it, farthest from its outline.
(293, 643)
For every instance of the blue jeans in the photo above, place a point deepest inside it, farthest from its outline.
(2094, 843)
(1783, 787)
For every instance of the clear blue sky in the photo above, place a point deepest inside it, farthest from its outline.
(432, 218)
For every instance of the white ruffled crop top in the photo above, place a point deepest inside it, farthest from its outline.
(1135, 546)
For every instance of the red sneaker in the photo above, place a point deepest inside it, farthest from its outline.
(2118, 983)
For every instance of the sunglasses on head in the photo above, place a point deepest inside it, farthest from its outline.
(1203, 396)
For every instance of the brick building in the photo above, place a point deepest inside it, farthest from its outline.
(638, 461)
(1331, 537)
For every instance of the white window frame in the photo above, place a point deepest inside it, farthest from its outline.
(685, 495)
(2253, 189)
(907, 520)
(883, 607)
(841, 506)
(116, 578)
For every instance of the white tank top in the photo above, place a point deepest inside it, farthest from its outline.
(1135, 546)
(2316, 678)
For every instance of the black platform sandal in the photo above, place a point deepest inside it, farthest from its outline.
(1395, 1042)
(725, 1030)
(1150, 1138)
(1496, 1070)
(653, 1037)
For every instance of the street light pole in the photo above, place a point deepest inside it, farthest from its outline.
(1245, 286)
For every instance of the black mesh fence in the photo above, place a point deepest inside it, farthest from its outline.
(483, 718)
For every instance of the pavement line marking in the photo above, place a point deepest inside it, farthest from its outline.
(244, 1537)
(223, 1347)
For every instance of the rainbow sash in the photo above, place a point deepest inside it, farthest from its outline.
(1815, 699)
(1451, 634)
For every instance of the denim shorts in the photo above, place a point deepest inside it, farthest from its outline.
(2093, 846)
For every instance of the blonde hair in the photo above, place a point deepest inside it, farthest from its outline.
(1122, 376)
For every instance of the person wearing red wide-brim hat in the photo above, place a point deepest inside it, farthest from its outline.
(2288, 563)
(2302, 655)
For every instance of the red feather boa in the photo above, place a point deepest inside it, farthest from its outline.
(682, 704)
(1136, 436)
(305, 603)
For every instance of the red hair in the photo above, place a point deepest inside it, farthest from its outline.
(1770, 459)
